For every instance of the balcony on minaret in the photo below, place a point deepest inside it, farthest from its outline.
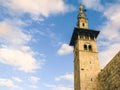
(82, 31)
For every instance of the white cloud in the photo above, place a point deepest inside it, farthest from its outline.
(52, 24)
(9, 83)
(17, 79)
(34, 79)
(33, 86)
(14, 49)
(110, 33)
(109, 53)
(92, 4)
(12, 34)
(21, 60)
(58, 87)
(68, 77)
(111, 29)
(65, 49)
(37, 7)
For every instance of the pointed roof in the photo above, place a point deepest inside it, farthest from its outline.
(82, 12)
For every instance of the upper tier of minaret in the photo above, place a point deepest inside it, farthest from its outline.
(82, 19)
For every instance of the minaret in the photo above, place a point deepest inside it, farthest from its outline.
(86, 63)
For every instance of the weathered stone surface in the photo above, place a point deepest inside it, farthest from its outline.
(86, 64)
(109, 77)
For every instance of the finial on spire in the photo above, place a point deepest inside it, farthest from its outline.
(82, 9)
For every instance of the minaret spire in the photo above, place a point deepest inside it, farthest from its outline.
(81, 8)
(82, 19)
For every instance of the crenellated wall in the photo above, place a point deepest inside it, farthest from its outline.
(109, 77)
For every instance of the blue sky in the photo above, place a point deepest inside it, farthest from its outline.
(35, 35)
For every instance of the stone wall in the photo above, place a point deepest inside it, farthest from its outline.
(86, 65)
(109, 77)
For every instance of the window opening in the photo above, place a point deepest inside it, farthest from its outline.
(83, 24)
(91, 79)
(85, 47)
(82, 68)
(90, 48)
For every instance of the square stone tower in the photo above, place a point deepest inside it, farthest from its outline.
(86, 63)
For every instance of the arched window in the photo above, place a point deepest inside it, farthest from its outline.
(90, 48)
(83, 24)
(85, 47)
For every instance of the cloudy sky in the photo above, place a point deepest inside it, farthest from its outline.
(35, 35)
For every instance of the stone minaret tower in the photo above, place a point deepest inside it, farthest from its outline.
(86, 63)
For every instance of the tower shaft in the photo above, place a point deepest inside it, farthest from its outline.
(86, 65)
(86, 62)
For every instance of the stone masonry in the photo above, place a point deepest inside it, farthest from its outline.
(109, 77)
